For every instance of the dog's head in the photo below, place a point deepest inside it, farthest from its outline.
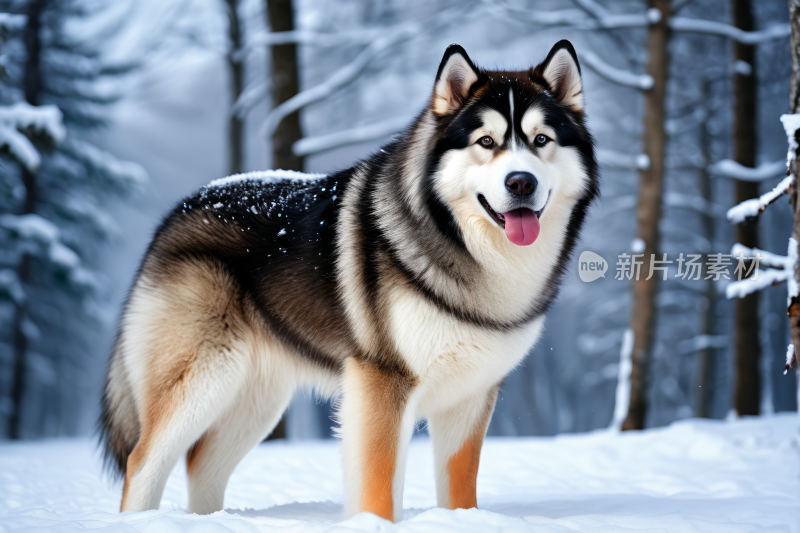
(508, 146)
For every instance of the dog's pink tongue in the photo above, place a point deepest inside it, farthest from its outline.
(522, 226)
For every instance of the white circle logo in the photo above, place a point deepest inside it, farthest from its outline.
(591, 266)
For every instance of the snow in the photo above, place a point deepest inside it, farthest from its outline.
(367, 132)
(126, 173)
(268, 176)
(695, 475)
(20, 148)
(791, 123)
(790, 359)
(643, 82)
(751, 208)
(622, 161)
(728, 168)
(9, 21)
(773, 269)
(21, 116)
(684, 24)
(623, 395)
(45, 118)
(791, 264)
(31, 227)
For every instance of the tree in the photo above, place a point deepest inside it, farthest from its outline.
(747, 391)
(792, 126)
(285, 85)
(648, 214)
(51, 226)
(236, 64)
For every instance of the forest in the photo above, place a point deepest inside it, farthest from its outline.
(663, 394)
(113, 112)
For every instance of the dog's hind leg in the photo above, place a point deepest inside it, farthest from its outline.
(176, 420)
(253, 415)
(457, 435)
(189, 358)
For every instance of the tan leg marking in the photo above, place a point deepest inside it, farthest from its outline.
(381, 397)
(462, 468)
(378, 475)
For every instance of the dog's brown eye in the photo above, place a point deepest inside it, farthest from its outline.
(486, 142)
(541, 140)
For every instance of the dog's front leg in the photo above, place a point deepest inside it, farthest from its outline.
(377, 421)
(457, 435)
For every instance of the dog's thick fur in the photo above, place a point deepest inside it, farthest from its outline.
(391, 283)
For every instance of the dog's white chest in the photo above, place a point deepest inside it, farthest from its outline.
(450, 355)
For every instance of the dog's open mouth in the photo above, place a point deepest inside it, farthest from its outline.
(521, 225)
(500, 219)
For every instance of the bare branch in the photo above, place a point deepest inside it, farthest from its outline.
(712, 27)
(728, 168)
(642, 82)
(369, 132)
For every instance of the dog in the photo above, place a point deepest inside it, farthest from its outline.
(407, 286)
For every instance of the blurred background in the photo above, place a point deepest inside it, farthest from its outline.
(111, 112)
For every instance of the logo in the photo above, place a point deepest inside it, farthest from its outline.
(591, 266)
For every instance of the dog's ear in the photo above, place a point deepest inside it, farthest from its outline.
(562, 72)
(456, 75)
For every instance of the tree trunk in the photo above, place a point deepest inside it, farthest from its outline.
(236, 125)
(747, 390)
(285, 84)
(32, 86)
(794, 105)
(648, 213)
(707, 357)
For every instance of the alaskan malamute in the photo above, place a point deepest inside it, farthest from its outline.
(410, 284)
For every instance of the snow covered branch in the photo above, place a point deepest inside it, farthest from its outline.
(350, 72)
(643, 82)
(622, 161)
(600, 18)
(15, 119)
(309, 38)
(791, 123)
(753, 207)
(249, 98)
(690, 25)
(593, 8)
(368, 132)
(702, 342)
(727, 168)
(691, 201)
(576, 18)
(12, 22)
(791, 359)
(671, 199)
(777, 270)
(124, 174)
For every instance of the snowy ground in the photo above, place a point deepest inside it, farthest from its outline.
(692, 476)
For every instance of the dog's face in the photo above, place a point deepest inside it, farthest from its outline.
(510, 145)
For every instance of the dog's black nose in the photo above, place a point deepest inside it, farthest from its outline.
(521, 183)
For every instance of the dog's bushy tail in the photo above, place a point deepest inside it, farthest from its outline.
(119, 421)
